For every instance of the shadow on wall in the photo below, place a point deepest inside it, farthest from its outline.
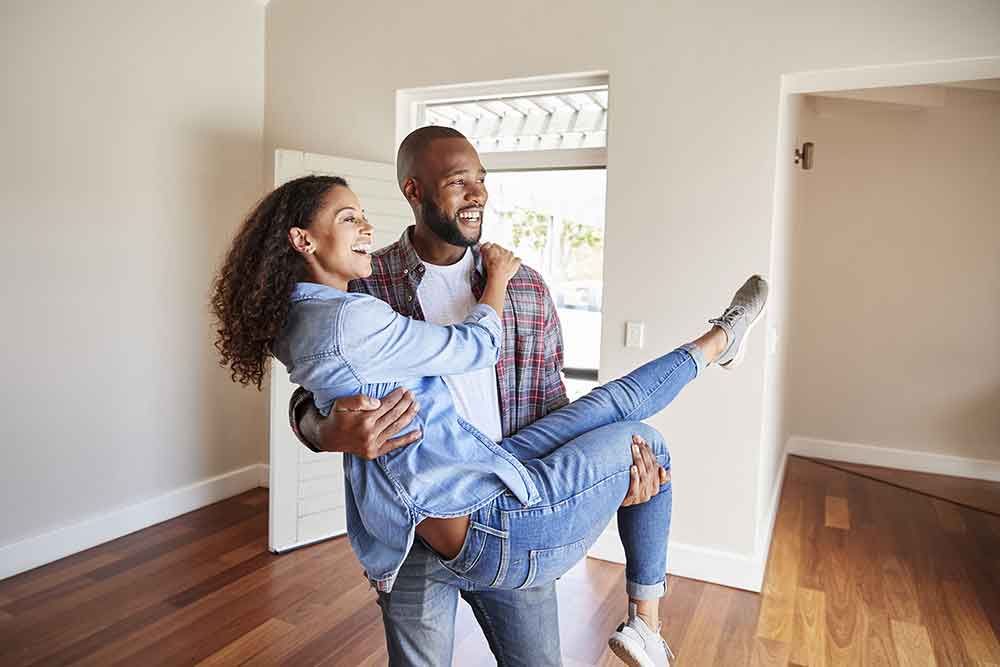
(974, 420)
(233, 418)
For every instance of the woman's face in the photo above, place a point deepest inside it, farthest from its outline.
(340, 238)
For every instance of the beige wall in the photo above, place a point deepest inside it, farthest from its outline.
(131, 143)
(693, 129)
(897, 275)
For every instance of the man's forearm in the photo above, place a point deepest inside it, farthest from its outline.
(302, 418)
(359, 425)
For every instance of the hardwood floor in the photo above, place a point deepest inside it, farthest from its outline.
(861, 573)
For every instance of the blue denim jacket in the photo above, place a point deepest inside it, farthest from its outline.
(338, 344)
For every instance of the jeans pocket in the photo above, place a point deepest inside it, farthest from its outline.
(469, 554)
(547, 565)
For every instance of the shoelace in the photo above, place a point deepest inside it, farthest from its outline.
(732, 314)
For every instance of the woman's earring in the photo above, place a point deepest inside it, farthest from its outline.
(312, 250)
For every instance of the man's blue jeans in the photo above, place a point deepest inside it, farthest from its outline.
(419, 617)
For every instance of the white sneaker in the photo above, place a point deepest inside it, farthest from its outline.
(637, 645)
(739, 318)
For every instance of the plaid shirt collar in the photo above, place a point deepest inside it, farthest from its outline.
(403, 258)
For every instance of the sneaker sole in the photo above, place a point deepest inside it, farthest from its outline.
(738, 359)
(628, 652)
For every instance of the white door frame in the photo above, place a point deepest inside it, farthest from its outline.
(800, 83)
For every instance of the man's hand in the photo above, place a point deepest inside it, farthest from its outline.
(361, 425)
(646, 474)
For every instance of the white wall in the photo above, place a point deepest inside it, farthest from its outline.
(897, 271)
(132, 147)
(691, 162)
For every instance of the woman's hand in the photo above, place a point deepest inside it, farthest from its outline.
(501, 264)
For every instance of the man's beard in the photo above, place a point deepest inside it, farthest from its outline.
(446, 229)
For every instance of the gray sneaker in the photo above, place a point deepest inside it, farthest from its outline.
(637, 645)
(738, 319)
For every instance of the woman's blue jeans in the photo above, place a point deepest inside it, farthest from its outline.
(579, 457)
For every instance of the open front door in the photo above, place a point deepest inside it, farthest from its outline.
(307, 489)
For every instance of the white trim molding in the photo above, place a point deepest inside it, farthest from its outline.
(882, 76)
(765, 524)
(900, 459)
(51, 546)
(692, 562)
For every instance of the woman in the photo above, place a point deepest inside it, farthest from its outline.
(494, 519)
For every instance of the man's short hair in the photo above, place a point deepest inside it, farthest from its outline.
(415, 144)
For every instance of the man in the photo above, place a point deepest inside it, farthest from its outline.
(434, 272)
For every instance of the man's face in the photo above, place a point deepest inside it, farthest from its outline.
(453, 192)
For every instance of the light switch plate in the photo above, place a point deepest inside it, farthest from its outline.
(633, 334)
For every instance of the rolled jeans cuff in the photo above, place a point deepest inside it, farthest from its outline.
(645, 591)
(697, 355)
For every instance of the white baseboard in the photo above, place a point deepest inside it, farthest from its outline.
(685, 560)
(265, 475)
(765, 537)
(900, 459)
(61, 542)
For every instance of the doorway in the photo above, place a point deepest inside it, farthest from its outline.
(886, 264)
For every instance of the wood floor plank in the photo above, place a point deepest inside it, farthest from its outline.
(769, 653)
(809, 634)
(981, 564)
(317, 623)
(76, 616)
(195, 642)
(880, 650)
(777, 610)
(913, 645)
(846, 624)
(811, 562)
(949, 516)
(901, 591)
(245, 551)
(738, 632)
(41, 578)
(347, 643)
(249, 645)
(701, 642)
(121, 644)
(81, 650)
(981, 644)
(865, 547)
(199, 637)
(837, 514)
(101, 595)
(47, 580)
(677, 608)
(900, 516)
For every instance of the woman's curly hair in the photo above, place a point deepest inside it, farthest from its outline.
(251, 293)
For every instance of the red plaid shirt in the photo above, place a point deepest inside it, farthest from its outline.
(529, 373)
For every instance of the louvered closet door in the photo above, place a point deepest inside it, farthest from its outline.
(307, 489)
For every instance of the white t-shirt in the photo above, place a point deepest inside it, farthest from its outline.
(445, 295)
